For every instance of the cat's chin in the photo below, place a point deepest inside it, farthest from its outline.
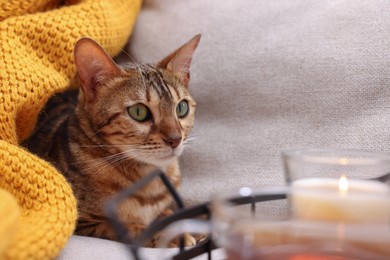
(165, 160)
(162, 162)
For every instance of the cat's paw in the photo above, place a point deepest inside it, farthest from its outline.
(189, 240)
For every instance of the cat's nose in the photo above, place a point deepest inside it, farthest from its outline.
(173, 140)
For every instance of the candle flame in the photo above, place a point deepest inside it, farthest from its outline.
(343, 183)
(343, 161)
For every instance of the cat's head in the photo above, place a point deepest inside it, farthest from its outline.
(144, 112)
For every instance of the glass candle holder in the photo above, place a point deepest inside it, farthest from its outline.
(339, 185)
(337, 206)
(271, 231)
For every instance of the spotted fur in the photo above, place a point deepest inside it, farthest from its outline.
(91, 138)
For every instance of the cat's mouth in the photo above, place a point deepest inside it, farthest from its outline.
(174, 153)
(167, 158)
(162, 161)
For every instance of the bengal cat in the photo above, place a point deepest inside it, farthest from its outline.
(126, 122)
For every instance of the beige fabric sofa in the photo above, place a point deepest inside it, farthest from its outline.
(267, 76)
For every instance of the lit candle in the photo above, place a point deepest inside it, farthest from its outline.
(352, 201)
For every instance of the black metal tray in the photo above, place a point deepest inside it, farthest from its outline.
(200, 211)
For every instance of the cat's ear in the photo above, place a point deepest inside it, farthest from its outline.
(94, 65)
(179, 61)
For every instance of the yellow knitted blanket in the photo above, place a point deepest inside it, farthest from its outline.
(37, 207)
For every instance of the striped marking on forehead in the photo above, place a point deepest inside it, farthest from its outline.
(155, 79)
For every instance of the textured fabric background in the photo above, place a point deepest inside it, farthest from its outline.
(273, 75)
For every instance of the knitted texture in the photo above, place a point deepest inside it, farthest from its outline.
(37, 207)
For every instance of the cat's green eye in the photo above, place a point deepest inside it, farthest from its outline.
(182, 109)
(139, 112)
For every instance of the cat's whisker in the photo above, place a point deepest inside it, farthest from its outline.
(135, 54)
(142, 76)
(95, 161)
(104, 145)
(111, 160)
(190, 140)
(103, 160)
(117, 160)
(92, 165)
(130, 57)
(189, 143)
(95, 133)
(137, 66)
(186, 154)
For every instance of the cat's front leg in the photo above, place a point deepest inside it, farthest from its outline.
(104, 230)
(189, 240)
